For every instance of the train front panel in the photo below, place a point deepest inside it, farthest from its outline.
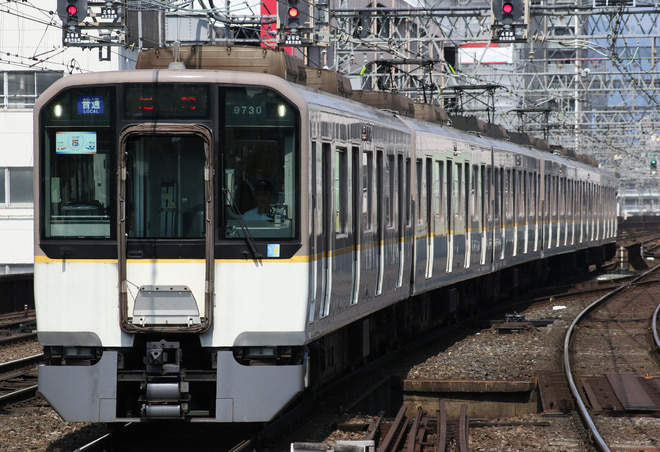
(171, 277)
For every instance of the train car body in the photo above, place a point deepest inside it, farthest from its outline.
(200, 233)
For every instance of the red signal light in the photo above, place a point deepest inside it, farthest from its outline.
(293, 12)
(72, 10)
(507, 8)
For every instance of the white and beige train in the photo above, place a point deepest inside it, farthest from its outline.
(209, 243)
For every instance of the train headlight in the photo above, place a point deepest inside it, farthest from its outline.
(260, 352)
(79, 352)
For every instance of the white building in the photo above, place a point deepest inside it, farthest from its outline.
(32, 57)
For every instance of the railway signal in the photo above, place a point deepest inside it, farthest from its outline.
(509, 21)
(506, 12)
(72, 12)
(509, 12)
(295, 22)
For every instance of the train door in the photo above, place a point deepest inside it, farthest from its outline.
(165, 214)
(316, 247)
(340, 246)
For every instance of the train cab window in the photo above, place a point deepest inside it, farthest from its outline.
(78, 172)
(259, 146)
(165, 187)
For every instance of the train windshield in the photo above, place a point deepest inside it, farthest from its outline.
(259, 164)
(79, 164)
(165, 186)
(254, 137)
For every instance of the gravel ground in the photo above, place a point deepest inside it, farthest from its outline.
(486, 355)
(18, 351)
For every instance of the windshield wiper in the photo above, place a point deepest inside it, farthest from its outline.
(246, 231)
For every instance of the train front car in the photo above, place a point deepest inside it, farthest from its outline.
(170, 277)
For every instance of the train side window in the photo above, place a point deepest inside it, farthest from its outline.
(467, 196)
(341, 183)
(487, 182)
(497, 197)
(367, 189)
(449, 195)
(430, 193)
(514, 197)
(420, 184)
(522, 201)
(437, 193)
(408, 194)
(390, 191)
(475, 193)
(508, 197)
(401, 193)
(532, 198)
(458, 206)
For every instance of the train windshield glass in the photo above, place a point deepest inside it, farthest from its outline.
(260, 143)
(79, 164)
(165, 186)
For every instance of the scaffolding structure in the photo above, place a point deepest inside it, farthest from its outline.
(585, 79)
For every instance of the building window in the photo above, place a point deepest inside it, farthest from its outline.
(20, 89)
(16, 186)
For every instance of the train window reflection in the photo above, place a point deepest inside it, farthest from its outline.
(165, 187)
(78, 185)
(259, 189)
(78, 166)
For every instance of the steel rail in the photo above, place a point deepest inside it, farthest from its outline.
(24, 337)
(463, 425)
(22, 362)
(584, 412)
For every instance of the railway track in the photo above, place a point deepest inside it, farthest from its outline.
(426, 432)
(16, 327)
(18, 379)
(612, 366)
